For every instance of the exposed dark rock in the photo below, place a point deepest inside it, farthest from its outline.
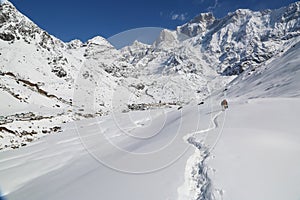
(139, 86)
(7, 37)
(59, 71)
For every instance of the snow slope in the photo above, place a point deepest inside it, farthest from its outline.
(84, 163)
(279, 78)
(257, 154)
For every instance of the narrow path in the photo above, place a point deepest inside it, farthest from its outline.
(200, 182)
(213, 125)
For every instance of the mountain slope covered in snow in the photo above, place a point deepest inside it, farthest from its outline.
(146, 120)
(45, 78)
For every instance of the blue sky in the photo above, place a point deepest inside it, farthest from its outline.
(69, 20)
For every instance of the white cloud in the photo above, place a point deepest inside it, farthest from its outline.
(181, 17)
(212, 8)
(198, 1)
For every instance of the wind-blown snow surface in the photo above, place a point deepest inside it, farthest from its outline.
(257, 156)
(59, 167)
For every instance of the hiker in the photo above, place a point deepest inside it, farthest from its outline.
(224, 104)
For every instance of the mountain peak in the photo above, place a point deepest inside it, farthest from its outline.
(243, 11)
(197, 25)
(137, 43)
(203, 17)
(3, 2)
(98, 40)
(166, 37)
(74, 44)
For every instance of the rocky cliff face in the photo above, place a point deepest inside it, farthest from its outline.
(243, 39)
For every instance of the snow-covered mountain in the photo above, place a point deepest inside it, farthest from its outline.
(172, 151)
(45, 79)
(244, 39)
(236, 154)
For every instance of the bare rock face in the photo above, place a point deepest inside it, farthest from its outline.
(198, 25)
(7, 36)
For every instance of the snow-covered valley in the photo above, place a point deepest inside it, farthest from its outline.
(88, 121)
(247, 151)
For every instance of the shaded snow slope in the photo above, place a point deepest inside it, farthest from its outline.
(279, 78)
(257, 154)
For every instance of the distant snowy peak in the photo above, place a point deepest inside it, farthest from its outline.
(205, 22)
(241, 40)
(3, 2)
(291, 13)
(75, 44)
(198, 25)
(292, 8)
(166, 39)
(134, 53)
(204, 18)
(138, 44)
(136, 48)
(99, 41)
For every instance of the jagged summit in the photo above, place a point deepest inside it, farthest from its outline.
(3, 1)
(167, 38)
(203, 17)
(75, 44)
(137, 43)
(198, 25)
(15, 26)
